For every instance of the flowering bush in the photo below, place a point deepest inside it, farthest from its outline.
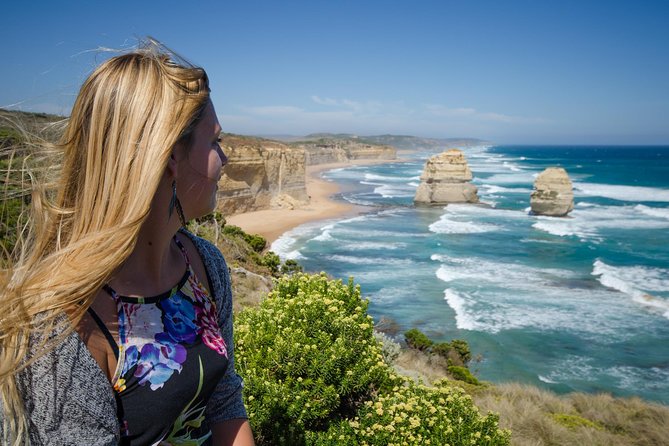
(417, 415)
(315, 374)
(308, 355)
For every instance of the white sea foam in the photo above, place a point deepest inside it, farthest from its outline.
(587, 219)
(462, 318)
(574, 368)
(388, 191)
(493, 189)
(638, 282)
(370, 260)
(546, 380)
(525, 177)
(492, 296)
(511, 166)
(447, 225)
(622, 193)
(361, 246)
(653, 211)
(284, 245)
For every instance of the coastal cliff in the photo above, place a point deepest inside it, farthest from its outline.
(331, 150)
(260, 174)
(445, 179)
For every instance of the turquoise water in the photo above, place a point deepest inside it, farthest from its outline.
(570, 304)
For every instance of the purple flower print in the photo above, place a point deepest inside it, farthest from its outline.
(179, 318)
(131, 357)
(158, 361)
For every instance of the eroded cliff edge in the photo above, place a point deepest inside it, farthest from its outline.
(337, 150)
(261, 174)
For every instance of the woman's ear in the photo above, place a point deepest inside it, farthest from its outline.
(171, 168)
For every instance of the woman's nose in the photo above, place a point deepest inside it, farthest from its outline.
(224, 159)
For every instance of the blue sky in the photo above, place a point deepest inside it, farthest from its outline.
(527, 72)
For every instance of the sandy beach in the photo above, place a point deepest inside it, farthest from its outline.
(271, 223)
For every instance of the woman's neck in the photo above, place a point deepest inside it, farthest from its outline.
(156, 263)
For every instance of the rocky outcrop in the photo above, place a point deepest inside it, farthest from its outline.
(445, 179)
(327, 151)
(261, 174)
(553, 194)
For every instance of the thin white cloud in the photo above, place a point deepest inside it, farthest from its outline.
(326, 114)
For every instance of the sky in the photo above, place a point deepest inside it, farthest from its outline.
(510, 72)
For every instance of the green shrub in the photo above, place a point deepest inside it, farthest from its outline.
(417, 415)
(442, 349)
(463, 374)
(461, 346)
(315, 375)
(417, 339)
(291, 266)
(271, 261)
(308, 355)
(572, 421)
(256, 241)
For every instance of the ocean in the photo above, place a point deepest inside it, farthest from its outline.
(569, 304)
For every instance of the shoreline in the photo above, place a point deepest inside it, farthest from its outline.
(272, 223)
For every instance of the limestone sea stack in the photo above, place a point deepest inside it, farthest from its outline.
(446, 179)
(553, 194)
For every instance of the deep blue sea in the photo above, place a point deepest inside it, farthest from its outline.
(570, 304)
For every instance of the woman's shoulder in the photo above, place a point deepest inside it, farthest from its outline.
(211, 256)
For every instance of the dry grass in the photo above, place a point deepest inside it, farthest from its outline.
(538, 417)
(420, 366)
(248, 288)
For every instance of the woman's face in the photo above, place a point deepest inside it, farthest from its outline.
(199, 167)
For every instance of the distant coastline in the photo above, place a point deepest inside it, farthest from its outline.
(272, 223)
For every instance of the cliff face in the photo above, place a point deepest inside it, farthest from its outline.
(553, 194)
(445, 179)
(342, 150)
(260, 174)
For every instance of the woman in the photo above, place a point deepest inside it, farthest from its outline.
(116, 324)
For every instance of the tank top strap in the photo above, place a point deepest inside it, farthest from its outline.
(111, 291)
(183, 251)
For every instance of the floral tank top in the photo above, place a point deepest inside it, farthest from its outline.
(170, 357)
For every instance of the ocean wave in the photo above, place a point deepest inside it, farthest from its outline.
(638, 282)
(587, 219)
(525, 177)
(459, 305)
(446, 225)
(511, 166)
(360, 246)
(388, 191)
(622, 193)
(575, 368)
(396, 179)
(491, 296)
(494, 189)
(653, 211)
(355, 260)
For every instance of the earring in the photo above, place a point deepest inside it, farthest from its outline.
(174, 202)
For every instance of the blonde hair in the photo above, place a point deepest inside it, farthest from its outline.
(84, 224)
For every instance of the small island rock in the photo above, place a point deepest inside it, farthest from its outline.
(445, 179)
(553, 194)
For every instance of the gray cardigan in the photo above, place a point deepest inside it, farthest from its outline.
(69, 400)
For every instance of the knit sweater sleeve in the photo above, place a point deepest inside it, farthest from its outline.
(226, 402)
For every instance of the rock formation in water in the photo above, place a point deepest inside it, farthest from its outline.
(261, 174)
(337, 150)
(445, 179)
(552, 194)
